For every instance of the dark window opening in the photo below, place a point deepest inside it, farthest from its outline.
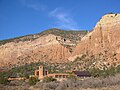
(37, 73)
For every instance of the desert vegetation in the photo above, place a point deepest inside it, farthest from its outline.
(70, 84)
(72, 35)
(100, 77)
(77, 64)
(49, 79)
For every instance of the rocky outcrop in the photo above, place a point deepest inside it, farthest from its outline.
(103, 40)
(53, 45)
(46, 48)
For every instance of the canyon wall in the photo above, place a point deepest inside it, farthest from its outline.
(103, 42)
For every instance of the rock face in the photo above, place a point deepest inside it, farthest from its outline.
(103, 42)
(53, 46)
(44, 47)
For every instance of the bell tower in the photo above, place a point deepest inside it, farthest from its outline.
(41, 71)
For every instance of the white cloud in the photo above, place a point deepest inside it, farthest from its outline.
(63, 19)
(33, 4)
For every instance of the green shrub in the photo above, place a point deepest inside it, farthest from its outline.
(72, 77)
(33, 80)
(26, 76)
(4, 80)
(95, 72)
(111, 71)
(49, 79)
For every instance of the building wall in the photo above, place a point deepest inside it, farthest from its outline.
(41, 72)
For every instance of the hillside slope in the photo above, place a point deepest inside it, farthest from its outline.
(69, 34)
(103, 42)
(52, 45)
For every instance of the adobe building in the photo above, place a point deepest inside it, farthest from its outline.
(82, 73)
(42, 72)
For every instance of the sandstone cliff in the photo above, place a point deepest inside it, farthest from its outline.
(103, 42)
(49, 46)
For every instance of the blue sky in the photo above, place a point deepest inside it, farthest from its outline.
(22, 17)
